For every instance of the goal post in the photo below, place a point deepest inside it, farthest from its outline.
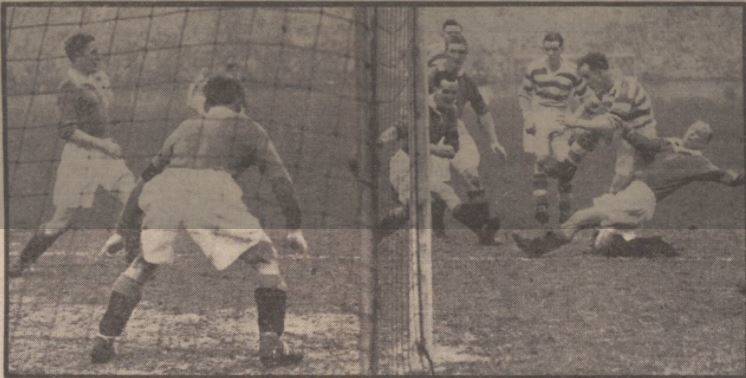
(396, 316)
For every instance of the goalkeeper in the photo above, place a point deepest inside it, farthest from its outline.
(444, 145)
(191, 184)
(671, 163)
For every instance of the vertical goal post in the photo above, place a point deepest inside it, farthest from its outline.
(393, 40)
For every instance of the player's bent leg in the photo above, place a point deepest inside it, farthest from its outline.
(42, 239)
(125, 295)
(564, 190)
(393, 221)
(271, 302)
(540, 185)
(129, 224)
(438, 210)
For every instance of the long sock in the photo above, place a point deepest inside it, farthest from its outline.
(564, 188)
(540, 186)
(391, 222)
(438, 208)
(271, 306)
(36, 247)
(124, 298)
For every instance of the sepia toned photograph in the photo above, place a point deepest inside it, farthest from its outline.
(196, 188)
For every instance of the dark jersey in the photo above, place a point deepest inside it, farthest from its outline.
(231, 142)
(468, 91)
(667, 170)
(83, 108)
(443, 126)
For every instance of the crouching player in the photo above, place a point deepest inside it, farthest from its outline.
(444, 145)
(671, 164)
(190, 184)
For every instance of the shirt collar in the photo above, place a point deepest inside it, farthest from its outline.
(221, 112)
(81, 79)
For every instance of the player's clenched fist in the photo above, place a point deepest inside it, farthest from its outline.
(297, 241)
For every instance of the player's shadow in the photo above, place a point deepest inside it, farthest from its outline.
(641, 247)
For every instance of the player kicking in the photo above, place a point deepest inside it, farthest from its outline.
(190, 184)
(444, 145)
(545, 93)
(90, 158)
(671, 164)
(626, 98)
(466, 161)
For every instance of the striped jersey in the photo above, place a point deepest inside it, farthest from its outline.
(629, 101)
(550, 88)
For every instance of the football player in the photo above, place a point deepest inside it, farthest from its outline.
(191, 184)
(670, 164)
(90, 159)
(466, 161)
(626, 98)
(545, 93)
(444, 146)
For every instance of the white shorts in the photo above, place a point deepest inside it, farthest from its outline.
(467, 158)
(439, 177)
(208, 204)
(628, 159)
(82, 171)
(547, 126)
(630, 207)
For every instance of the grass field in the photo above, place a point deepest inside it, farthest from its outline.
(496, 312)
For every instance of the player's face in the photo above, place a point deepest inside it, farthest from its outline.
(553, 50)
(458, 53)
(89, 60)
(697, 136)
(452, 30)
(446, 93)
(594, 78)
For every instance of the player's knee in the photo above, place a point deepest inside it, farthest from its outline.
(564, 185)
(546, 164)
(262, 252)
(269, 275)
(140, 271)
(128, 287)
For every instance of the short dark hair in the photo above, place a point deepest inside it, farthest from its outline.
(450, 22)
(554, 37)
(457, 39)
(438, 78)
(75, 44)
(222, 90)
(595, 61)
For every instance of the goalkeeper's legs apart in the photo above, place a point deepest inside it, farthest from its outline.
(42, 239)
(271, 304)
(125, 295)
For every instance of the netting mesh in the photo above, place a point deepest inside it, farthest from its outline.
(299, 71)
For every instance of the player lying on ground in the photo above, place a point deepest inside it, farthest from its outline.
(89, 159)
(444, 145)
(190, 184)
(466, 161)
(548, 86)
(671, 164)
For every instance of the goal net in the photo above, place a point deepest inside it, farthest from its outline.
(323, 82)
